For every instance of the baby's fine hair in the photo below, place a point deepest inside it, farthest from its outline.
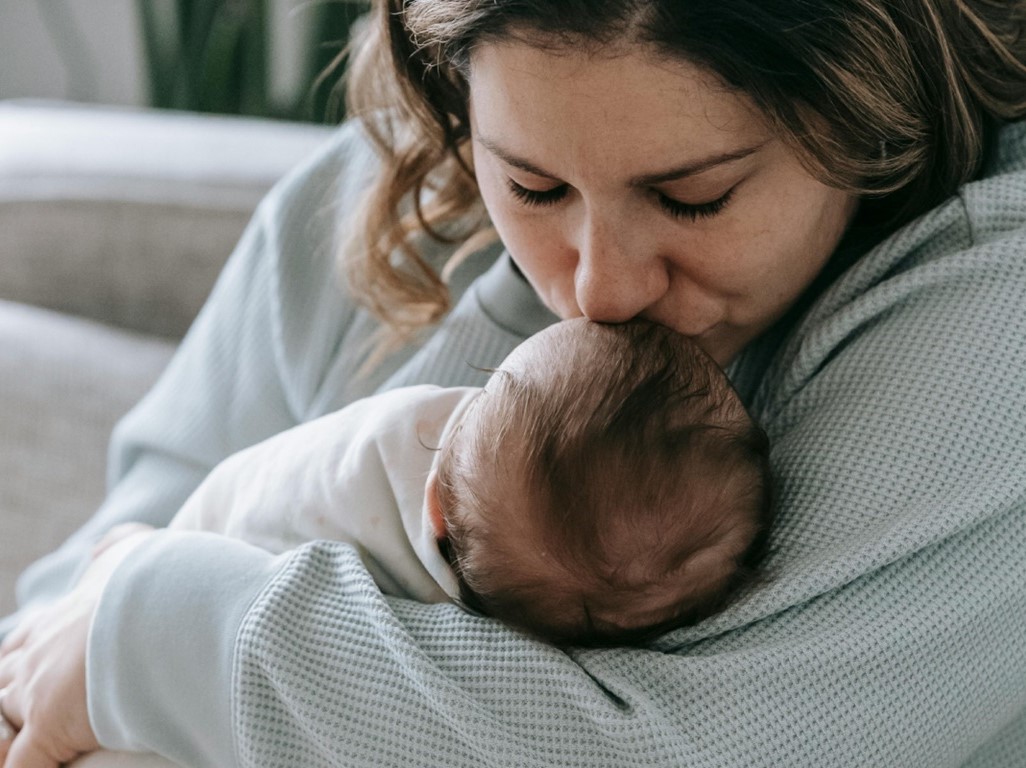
(610, 490)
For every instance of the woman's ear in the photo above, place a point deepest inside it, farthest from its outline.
(434, 507)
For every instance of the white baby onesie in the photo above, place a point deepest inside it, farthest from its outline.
(357, 475)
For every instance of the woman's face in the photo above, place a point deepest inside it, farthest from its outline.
(631, 186)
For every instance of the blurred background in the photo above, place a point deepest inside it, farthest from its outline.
(249, 57)
(116, 217)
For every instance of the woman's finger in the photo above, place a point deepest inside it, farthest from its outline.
(9, 709)
(17, 636)
(27, 752)
(119, 533)
(10, 669)
(7, 729)
(45, 671)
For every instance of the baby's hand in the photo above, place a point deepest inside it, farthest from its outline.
(116, 534)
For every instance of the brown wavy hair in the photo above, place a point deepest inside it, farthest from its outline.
(897, 101)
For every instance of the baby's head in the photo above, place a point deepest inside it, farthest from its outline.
(606, 486)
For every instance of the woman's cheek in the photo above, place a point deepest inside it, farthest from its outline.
(538, 249)
(531, 237)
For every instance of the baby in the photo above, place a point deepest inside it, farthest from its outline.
(605, 486)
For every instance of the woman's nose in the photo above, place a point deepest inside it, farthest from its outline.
(617, 276)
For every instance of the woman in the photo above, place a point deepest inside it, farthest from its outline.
(828, 196)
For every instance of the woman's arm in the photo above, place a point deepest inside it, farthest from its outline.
(889, 631)
(243, 372)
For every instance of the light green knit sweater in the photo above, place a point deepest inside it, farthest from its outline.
(891, 630)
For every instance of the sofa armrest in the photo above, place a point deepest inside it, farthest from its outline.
(126, 216)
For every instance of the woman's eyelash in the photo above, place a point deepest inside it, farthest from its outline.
(694, 212)
(677, 209)
(536, 197)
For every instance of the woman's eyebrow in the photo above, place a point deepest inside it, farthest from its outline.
(510, 159)
(695, 167)
(692, 168)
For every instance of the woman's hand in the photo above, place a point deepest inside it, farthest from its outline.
(116, 534)
(43, 671)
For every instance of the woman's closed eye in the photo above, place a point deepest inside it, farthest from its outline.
(537, 197)
(694, 211)
(679, 210)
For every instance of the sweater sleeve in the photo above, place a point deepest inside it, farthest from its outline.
(242, 373)
(887, 631)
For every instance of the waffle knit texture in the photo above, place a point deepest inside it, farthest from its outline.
(889, 630)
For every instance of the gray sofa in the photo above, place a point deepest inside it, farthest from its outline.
(114, 225)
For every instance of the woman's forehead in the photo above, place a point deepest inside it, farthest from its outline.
(632, 113)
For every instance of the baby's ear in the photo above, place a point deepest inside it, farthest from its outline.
(434, 507)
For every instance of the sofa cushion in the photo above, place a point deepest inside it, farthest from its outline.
(126, 216)
(63, 384)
